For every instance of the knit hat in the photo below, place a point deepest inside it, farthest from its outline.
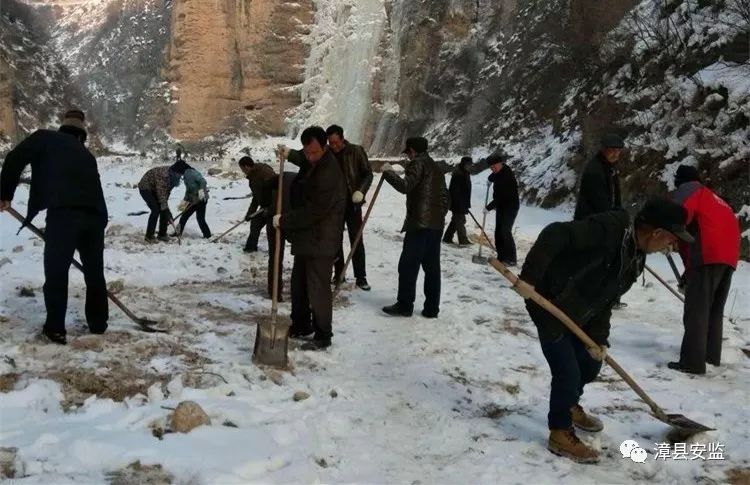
(416, 143)
(180, 167)
(685, 174)
(613, 141)
(74, 118)
(667, 215)
(498, 157)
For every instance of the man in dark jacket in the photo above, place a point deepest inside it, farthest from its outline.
(358, 176)
(505, 202)
(313, 226)
(427, 203)
(460, 194)
(600, 183)
(257, 174)
(709, 262)
(583, 267)
(65, 181)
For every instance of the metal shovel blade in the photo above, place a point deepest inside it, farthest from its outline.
(150, 326)
(272, 343)
(685, 425)
(477, 259)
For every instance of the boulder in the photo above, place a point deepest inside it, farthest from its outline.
(187, 416)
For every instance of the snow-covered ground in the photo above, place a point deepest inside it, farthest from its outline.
(461, 399)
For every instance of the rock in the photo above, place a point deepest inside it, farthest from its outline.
(214, 171)
(714, 102)
(5, 261)
(187, 416)
(221, 270)
(334, 394)
(8, 462)
(18, 249)
(300, 396)
(275, 376)
(26, 292)
(116, 286)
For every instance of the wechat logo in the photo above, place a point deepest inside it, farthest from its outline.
(631, 449)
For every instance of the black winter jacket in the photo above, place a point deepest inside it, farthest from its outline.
(460, 191)
(583, 267)
(427, 199)
(64, 174)
(318, 202)
(355, 167)
(504, 191)
(259, 175)
(599, 190)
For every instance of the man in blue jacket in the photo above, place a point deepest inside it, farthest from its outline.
(64, 181)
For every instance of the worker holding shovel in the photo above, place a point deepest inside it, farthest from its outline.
(64, 181)
(583, 267)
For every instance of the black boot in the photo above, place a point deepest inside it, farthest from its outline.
(678, 367)
(55, 337)
(317, 344)
(362, 284)
(398, 310)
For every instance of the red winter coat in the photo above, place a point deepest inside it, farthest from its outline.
(713, 224)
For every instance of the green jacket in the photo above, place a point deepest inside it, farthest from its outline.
(194, 182)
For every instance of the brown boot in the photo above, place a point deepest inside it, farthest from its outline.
(584, 421)
(564, 442)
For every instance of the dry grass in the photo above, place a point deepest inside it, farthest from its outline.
(135, 473)
(738, 476)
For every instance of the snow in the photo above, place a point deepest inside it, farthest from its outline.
(461, 399)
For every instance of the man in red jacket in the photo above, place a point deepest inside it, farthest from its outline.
(709, 262)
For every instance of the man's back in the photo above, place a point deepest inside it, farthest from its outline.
(599, 190)
(64, 173)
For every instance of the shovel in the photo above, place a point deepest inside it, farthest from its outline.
(358, 238)
(272, 336)
(478, 258)
(145, 324)
(682, 425)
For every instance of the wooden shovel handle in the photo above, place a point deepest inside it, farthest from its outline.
(576, 330)
(277, 248)
(359, 236)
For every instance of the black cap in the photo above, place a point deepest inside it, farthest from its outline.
(667, 215)
(686, 173)
(613, 141)
(466, 161)
(497, 157)
(416, 143)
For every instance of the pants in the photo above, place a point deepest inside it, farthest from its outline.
(271, 236)
(706, 293)
(506, 246)
(156, 214)
(312, 296)
(572, 368)
(256, 225)
(457, 225)
(353, 221)
(421, 249)
(200, 210)
(69, 230)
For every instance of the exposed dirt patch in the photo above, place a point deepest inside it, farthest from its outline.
(118, 382)
(739, 476)
(140, 474)
(8, 381)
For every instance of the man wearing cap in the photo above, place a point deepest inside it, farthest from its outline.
(64, 181)
(583, 267)
(505, 202)
(460, 193)
(600, 183)
(257, 174)
(427, 202)
(709, 262)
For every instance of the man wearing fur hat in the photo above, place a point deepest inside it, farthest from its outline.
(64, 181)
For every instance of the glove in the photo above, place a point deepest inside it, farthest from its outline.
(387, 167)
(358, 197)
(183, 205)
(277, 221)
(397, 168)
(598, 353)
(201, 195)
(524, 289)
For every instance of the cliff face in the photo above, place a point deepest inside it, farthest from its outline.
(233, 63)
